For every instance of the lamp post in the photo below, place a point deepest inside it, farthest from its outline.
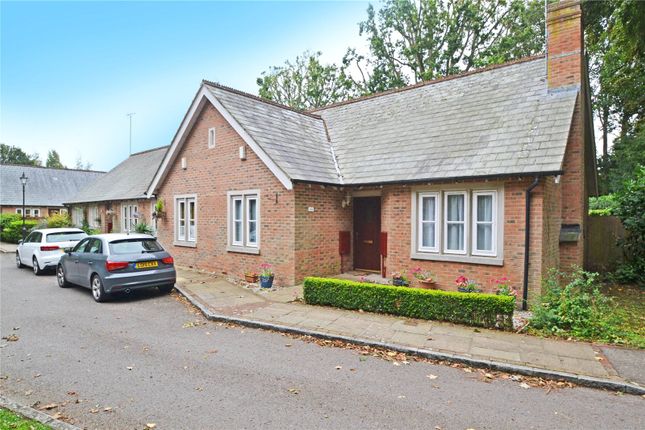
(23, 180)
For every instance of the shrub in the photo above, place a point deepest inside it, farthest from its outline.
(13, 232)
(602, 205)
(143, 228)
(58, 221)
(572, 305)
(6, 219)
(484, 310)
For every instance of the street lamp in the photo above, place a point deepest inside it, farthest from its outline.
(23, 180)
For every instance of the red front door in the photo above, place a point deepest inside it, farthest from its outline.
(367, 229)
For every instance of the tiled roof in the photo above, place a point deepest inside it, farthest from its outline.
(45, 186)
(127, 181)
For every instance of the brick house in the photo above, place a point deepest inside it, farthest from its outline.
(483, 174)
(45, 192)
(118, 200)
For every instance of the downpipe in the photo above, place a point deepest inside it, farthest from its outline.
(527, 242)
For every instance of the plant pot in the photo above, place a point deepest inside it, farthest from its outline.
(398, 282)
(465, 290)
(251, 279)
(266, 281)
(427, 285)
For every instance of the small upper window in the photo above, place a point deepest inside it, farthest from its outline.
(211, 138)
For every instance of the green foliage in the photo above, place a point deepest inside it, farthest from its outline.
(630, 202)
(573, 306)
(15, 155)
(485, 310)
(623, 161)
(53, 160)
(85, 226)
(143, 228)
(305, 83)
(159, 206)
(58, 221)
(6, 219)
(12, 233)
(11, 420)
(602, 205)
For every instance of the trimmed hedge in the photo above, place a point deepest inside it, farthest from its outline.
(13, 232)
(483, 310)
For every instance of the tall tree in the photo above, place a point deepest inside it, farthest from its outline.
(53, 160)
(82, 166)
(15, 155)
(305, 83)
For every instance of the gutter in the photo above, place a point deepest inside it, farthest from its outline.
(527, 242)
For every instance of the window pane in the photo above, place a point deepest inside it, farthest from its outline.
(455, 239)
(428, 208)
(485, 208)
(238, 231)
(252, 209)
(253, 232)
(484, 237)
(238, 210)
(455, 207)
(428, 234)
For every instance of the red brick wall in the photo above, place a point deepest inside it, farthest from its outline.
(564, 44)
(210, 174)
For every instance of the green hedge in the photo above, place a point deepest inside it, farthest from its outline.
(13, 232)
(483, 310)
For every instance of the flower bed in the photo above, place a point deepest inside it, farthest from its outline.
(483, 310)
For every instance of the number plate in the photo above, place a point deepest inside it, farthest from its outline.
(146, 265)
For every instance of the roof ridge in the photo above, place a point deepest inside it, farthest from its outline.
(260, 99)
(149, 150)
(66, 169)
(433, 81)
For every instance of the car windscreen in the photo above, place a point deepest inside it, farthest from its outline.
(134, 246)
(65, 236)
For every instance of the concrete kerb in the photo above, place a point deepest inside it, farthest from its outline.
(586, 381)
(36, 415)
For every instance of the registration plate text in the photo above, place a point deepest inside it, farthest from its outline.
(146, 264)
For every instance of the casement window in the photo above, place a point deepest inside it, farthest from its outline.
(129, 217)
(19, 211)
(460, 225)
(186, 220)
(244, 221)
(93, 216)
(77, 216)
(29, 212)
(211, 138)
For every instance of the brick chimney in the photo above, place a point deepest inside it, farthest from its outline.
(564, 45)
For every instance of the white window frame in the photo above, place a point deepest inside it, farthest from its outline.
(493, 223)
(128, 221)
(212, 135)
(234, 221)
(93, 214)
(436, 222)
(36, 212)
(244, 245)
(19, 211)
(186, 239)
(445, 222)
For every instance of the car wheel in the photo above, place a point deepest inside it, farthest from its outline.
(98, 292)
(37, 270)
(19, 264)
(60, 277)
(166, 288)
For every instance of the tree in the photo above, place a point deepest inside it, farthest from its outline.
(622, 162)
(80, 166)
(412, 41)
(53, 160)
(15, 155)
(306, 83)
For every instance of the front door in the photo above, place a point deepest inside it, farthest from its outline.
(367, 229)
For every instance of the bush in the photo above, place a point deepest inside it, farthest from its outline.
(143, 228)
(602, 205)
(484, 310)
(59, 221)
(6, 219)
(13, 232)
(572, 305)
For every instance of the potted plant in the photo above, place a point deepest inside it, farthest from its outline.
(465, 285)
(426, 278)
(503, 287)
(251, 277)
(159, 209)
(266, 276)
(400, 280)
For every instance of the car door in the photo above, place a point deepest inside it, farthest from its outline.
(23, 249)
(71, 263)
(31, 242)
(88, 260)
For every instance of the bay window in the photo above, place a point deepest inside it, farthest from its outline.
(244, 221)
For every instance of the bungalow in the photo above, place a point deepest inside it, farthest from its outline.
(482, 174)
(46, 188)
(118, 200)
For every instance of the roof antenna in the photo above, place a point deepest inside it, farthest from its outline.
(130, 115)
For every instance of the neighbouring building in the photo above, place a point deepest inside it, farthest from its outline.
(482, 174)
(46, 190)
(118, 200)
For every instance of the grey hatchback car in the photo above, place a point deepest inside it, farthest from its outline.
(113, 262)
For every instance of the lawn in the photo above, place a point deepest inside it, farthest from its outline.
(10, 420)
(630, 306)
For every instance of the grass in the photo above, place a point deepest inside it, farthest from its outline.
(11, 420)
(630, 307)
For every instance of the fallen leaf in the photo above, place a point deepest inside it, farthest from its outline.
(71, 393)
(49, 406)
(339, 367)
(288, 345)
(391, 353)
(431, 376)
(11, 338)
(468, 370)
(525, 385)
(38, 375)
(401, 397)
(28, 393)
(107, 409)
(129, 367)
(94, 411)
(353, 369)
(58, 416)
(151, 425)
(396, 363)
(489, 376)
(199, 389)
(212, 351)
(294, 390)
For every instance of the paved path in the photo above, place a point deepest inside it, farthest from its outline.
(9, 248)
(280, 307)
(151, 360)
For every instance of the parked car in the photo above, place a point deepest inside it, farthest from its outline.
(115, 262)
(43, 248)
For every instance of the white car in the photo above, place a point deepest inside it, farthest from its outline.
(43, 248)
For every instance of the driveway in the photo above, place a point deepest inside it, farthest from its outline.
(148, 358)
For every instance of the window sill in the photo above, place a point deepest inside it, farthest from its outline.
(185, 244)
(456, 258)
(243, 249)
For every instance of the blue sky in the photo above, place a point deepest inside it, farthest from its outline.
(71, 71)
